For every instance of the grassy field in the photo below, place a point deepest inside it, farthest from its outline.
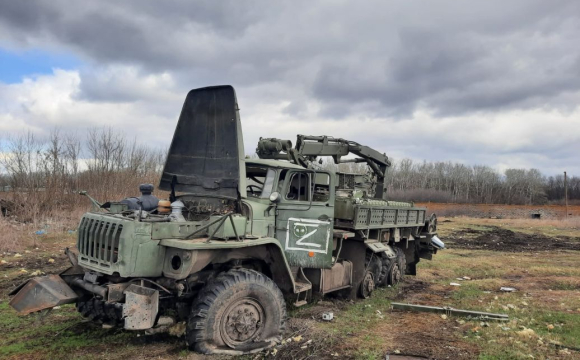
(544, 311)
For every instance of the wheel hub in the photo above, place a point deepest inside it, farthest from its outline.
(395, 274)
(368, 285)
(241, 322)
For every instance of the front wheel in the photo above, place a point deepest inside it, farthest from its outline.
(241, 311)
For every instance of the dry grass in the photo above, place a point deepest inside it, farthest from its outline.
(14, 236)
(501, 211)
(17, 236)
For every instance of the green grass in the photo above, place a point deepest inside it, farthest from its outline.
(62, 333)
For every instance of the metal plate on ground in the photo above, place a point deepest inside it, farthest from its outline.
(41, 293)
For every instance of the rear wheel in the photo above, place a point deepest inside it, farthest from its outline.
(240, 311)
(397, 273)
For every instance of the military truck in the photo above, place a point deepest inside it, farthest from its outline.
(239, 237)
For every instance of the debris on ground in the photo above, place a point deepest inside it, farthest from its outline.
(526, 333)
(454, 284)
(451, 311)
(178, 329)
(327, 316)
(50, 261)
(507, 289)
(17, 255)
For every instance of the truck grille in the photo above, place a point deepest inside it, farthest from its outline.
(98, 241)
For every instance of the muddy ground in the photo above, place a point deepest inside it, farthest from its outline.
(498, 239)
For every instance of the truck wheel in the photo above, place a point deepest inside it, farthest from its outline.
(385, 270)
(367, 286)
(240, 311)
(397, 271)
(394, 274)
(374, 265)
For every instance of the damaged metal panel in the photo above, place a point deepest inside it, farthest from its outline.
(140, 308)
(42, 293)
(380, 247)
(207, 151)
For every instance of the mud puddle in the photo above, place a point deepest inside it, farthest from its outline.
(498, 239)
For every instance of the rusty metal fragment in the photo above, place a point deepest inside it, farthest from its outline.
(41, 293)
(451, 311)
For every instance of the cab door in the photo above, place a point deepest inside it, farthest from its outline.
(304, 222)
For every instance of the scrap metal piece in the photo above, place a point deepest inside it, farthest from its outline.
(328, 316)
(140, 308)
(41, 293)
(507, 289)
(451, 311)
(436, 242)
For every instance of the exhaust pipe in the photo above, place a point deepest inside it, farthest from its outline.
(436, 242)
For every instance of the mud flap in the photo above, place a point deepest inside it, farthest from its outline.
(140, 308)
(42, 293)
(380, 247)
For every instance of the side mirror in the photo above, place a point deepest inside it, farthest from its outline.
(275, 197)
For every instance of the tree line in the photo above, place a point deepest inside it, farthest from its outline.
(479, 184)
(43, 175)
(46, 174)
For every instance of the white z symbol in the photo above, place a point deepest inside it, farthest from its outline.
(301, 240)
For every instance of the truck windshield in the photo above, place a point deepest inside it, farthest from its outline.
(259, 181)
(268, 184)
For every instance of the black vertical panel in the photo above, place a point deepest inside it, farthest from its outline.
(204, 157)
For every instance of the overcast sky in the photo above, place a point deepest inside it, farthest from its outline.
(478, 82)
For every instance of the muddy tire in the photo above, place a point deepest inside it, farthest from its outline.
(367, 286)
(373, 264)
(401, 262)
(385, 267)
(240, 311)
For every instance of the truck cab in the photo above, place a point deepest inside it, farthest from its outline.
(296, 206)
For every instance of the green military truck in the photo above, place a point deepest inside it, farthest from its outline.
(239, 238)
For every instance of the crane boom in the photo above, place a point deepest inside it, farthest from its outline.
(308, 148)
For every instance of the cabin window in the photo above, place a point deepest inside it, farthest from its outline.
(298, 187)
(321, 188)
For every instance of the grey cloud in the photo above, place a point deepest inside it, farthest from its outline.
(382, 58)
(376, 59)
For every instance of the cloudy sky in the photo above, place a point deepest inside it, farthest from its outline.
(486, 82)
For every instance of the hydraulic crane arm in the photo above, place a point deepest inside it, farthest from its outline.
(308, 148)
